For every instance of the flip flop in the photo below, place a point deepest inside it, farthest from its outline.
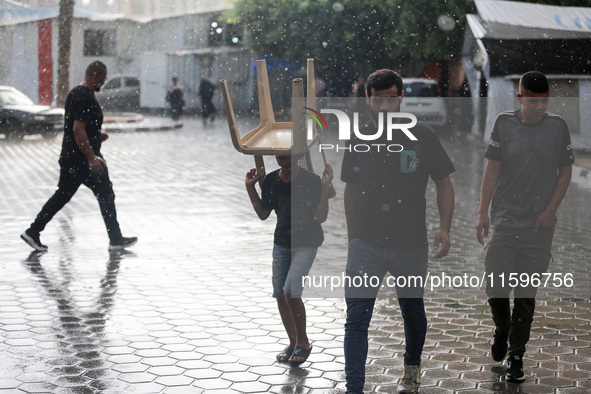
(300, 352)
(288, 351)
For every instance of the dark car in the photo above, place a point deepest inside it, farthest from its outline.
(121, 93)
(20, 116)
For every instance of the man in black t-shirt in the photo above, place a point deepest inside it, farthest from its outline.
(206, 90)
(81, 161)
(526, 177)
(385, 210)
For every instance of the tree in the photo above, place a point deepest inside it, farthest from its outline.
(431, 30)
(65, 20)
(382, 31)
(373, 32)
(359, 35)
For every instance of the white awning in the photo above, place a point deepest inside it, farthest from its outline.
(536, 16)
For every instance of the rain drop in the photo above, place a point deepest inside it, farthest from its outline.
(338, 7)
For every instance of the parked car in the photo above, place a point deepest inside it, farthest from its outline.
(422, 98)
(121, 93)
(20, 116)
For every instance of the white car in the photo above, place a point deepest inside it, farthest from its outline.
(20, 116)
(422, 99)
(121, 93)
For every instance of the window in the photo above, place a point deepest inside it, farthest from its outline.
(224, 34)
(419, 89)
(14, 97)
(99, 42)
(132, 81)
(233, 35)
(113, 84)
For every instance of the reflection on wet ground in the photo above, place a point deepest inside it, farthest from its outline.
(189, 309)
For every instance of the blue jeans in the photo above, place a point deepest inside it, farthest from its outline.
(365, 258)
(290, 265)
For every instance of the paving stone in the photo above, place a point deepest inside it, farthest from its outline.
(572, 390)
(203, 373)
(7, 384)
(317, 383)
(295, 389)
(574, 375)
(478, 376)
(174, 380)
(457, 384)
(584, 367)
(441, 374)
(137, 377)
(188, 309)
(542, 372)
(211, 384)
(251, 387)
(575, 359)
(462, 367)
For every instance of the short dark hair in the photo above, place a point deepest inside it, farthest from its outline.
(534, 81)
(95, 67)
(382, 80)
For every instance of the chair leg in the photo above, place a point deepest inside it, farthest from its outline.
(265, 103)
(260, 166)
(234, 134)
(311, 94)
(331, 190)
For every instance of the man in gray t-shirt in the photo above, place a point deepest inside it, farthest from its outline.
(528, 172)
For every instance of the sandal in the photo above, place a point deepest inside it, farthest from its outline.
(300, 352)
(285, 354)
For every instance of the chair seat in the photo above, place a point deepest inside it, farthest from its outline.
(268, 139)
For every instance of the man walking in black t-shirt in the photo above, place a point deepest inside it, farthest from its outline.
(385, 208)
(526, 177)
(206, 90)
(81, 161)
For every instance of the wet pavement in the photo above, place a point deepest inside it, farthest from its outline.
(189, 308)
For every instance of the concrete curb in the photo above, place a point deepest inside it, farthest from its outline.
(126, 122)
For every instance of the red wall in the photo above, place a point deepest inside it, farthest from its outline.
(45, 28)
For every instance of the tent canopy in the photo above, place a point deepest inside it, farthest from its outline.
(506, 19)
(508, 37)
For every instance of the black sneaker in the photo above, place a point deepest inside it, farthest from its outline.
(515, 369)
(123, 243)
(498, 349)
(33, 240)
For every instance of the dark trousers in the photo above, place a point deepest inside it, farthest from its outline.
(71, 177)
(176, 112)
(515, 251)
(207, 108)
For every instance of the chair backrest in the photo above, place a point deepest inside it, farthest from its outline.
(234, 134)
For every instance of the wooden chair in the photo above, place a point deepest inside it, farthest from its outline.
(276, 138)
